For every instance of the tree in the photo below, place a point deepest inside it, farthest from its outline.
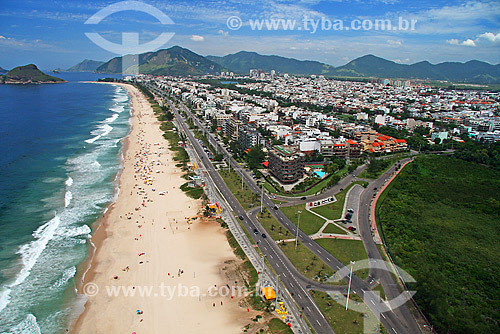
(255, 157)
(333, 181)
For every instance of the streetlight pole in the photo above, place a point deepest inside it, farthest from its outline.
(349, 288)
(298, 225)
(261, 198)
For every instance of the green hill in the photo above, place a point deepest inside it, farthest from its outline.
(243, 61)
(29, 74)
(175, 61)
(86, 66)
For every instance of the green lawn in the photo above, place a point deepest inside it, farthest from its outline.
(246, 267)
(309, 222)
(342, 321)
(332, 228)
(334, 210)
(245, 196)
(306, 262)
(345, 251)
(380, 289)
(276, 326)
(273, 227)
(441, 222)
(194, 193)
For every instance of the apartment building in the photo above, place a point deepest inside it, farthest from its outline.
(286, 164)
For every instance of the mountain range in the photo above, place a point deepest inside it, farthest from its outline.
(3, 70)
(180, 61)
(172, 61)
(86, 66)
(243, 62)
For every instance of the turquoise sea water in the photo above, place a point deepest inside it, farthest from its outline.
(60, 153)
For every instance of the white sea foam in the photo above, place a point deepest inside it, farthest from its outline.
(72, 232)
(66, 276)
(118, 109)
(111, 119)
(101, 131)
(91, 140)
(68, 196)
(29, 255)
(28, 326)
(120, 98)
(106, 129)
(69, 181)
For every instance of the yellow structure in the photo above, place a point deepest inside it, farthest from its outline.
(268, 293)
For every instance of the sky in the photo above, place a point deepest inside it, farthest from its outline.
(51, 34)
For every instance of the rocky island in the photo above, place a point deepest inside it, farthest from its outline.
(28, 74)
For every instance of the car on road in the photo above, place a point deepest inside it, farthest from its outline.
(275, 207)
(303, 198)
(350, 210)
(240, 217)
(255, 231)
(264, 235)
(351, 228)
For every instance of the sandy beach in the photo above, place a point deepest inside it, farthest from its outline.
(146, 248)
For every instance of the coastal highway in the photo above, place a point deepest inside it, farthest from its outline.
(268, 247)
(394, 322)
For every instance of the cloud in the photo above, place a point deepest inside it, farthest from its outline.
(26, 44)
(394, 43)
(489, 36)
(402, 61)
(197, 38)
(467, 42)
(465, 17)
(223, 33)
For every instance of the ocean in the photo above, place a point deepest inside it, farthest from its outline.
(60, 154)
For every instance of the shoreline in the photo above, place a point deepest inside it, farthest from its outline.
(109, 246)
(85, 272)
(98, 227)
